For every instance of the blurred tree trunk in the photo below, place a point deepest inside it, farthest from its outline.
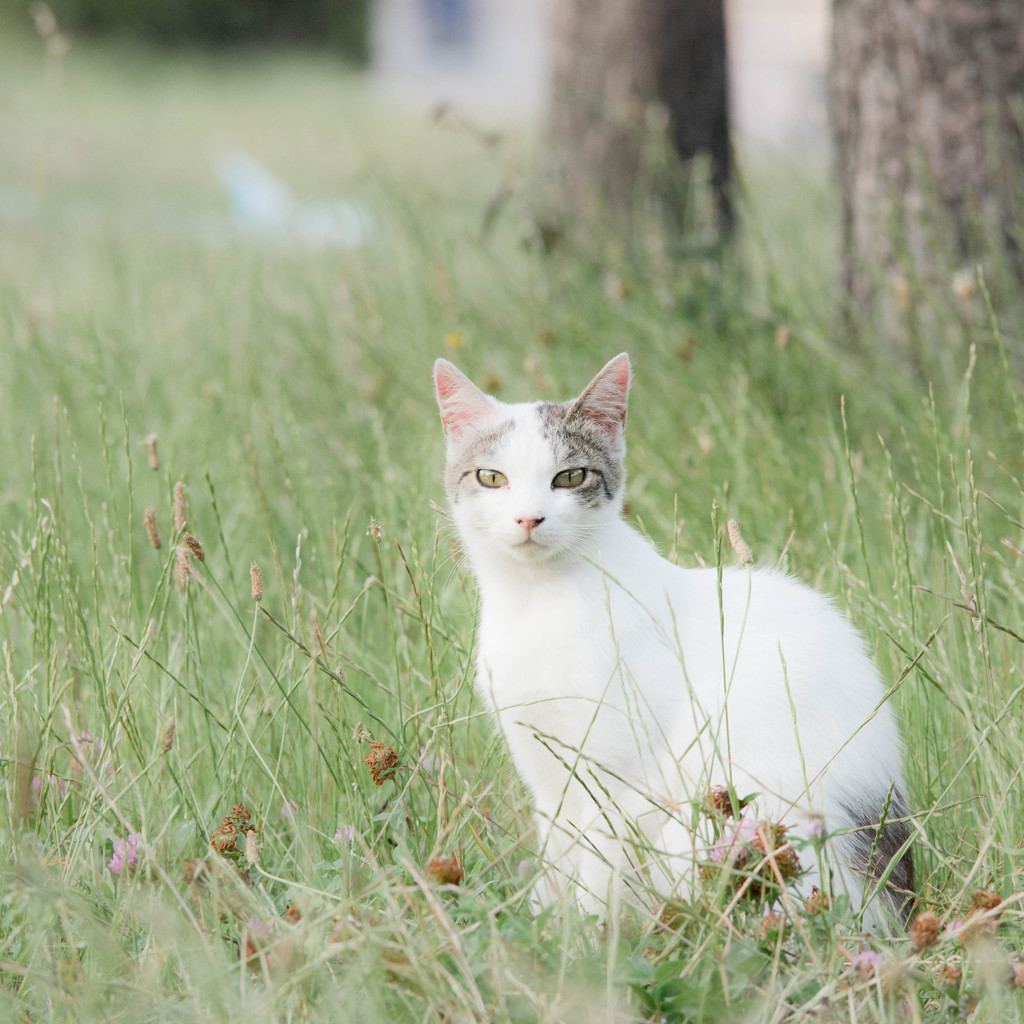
(927, 111)
(627, 76)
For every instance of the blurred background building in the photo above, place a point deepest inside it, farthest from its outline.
(491, 56)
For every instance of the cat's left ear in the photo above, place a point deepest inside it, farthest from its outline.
(463, 405)
(605, 397)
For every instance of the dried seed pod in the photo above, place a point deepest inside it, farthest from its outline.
(256, 580)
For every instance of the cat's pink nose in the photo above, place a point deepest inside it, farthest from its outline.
(529, 524)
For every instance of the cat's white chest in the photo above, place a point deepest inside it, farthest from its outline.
(547, 666)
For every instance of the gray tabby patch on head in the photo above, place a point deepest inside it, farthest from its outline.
(578, 440)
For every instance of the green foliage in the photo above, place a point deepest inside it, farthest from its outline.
(339, 25)
(147, 693)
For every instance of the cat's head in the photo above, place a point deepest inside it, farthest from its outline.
(533, 481)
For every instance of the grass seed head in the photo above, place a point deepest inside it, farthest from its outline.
(152, 530)
(154, 459)
(252, 847)
(739, 545)
(256, 580)
(180, 506)
(182, 566)
(375, 530)
(194, 547)
(169, 733)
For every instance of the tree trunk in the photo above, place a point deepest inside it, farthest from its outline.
(627, 77)
(927, 109)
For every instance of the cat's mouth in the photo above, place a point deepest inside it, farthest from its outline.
(531, 548)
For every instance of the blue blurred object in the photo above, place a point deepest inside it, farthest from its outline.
(450, 21)
(263, 205)
(257, 198)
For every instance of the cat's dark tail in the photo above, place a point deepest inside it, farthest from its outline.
(873, 849)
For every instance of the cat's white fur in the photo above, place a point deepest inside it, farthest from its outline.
(626, 686)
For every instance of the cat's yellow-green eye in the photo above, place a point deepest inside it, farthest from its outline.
(569, 478)
(491, 478)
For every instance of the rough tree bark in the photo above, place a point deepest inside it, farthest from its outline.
(625, 74)
(927, 110)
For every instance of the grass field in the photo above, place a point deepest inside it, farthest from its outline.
(146, 694)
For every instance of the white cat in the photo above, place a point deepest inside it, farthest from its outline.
(626, 686)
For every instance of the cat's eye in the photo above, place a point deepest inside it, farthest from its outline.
(491, 478)
(569, 478)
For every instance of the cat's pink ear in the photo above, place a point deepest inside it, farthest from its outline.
(463, 405)
(604, 400)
